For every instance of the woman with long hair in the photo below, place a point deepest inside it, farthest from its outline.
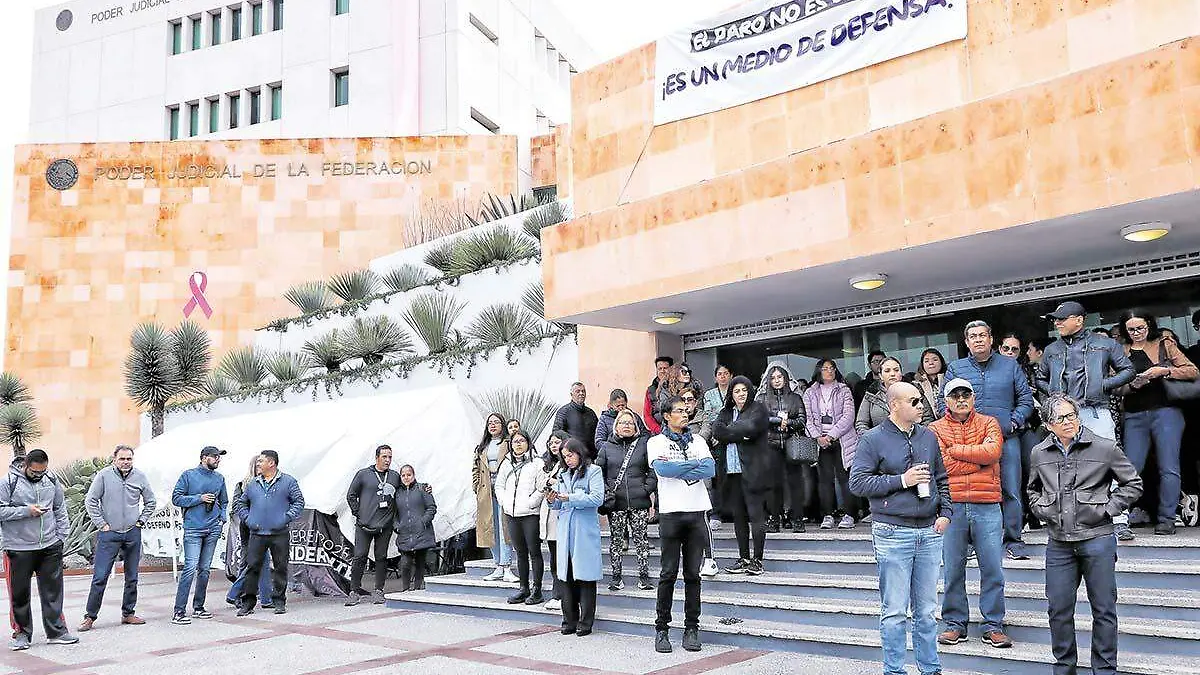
(874, 407)
(930, 378)
(626, 466)
(521, 489)
(552, 466)
(791, 478)
(670, 386)
(745, 466)
(829, 403)
(415, 510)
(264, 581)
(577, 496)
(490, 456)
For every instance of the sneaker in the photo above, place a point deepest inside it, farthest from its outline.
(509, 577)
(181, 619)
(64, 639)
(20, 642)
(1123, 532)
(377, 597)
(496, 575)
(353, 599)
(86, 624)
(951, 636)
(714, 524)
(1164, 528)
(617, 585)
(847, 523)
(865, 519)
(553, 605)
(785, 523)
(742, 566)
(798, 526)
(755, 568)
(1189, 510)
(709, 568)
(772, 524)
(1139, 516)
(201, 614)
(644, 584)
(131, 620)
(1015, 553)
(281, 609)
(997, 639)
(245, 609)
(827, 523)
(662, 642)
(691, 639)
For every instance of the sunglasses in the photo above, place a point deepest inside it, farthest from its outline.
(960, 395)
(916, 402)
(689, 399)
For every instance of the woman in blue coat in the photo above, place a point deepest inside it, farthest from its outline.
(577, 496)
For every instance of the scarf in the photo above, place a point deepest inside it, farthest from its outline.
(682, 440)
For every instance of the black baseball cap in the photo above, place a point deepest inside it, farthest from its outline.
(211, 451)
(1066, 310)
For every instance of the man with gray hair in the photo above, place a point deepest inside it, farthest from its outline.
(1002, 391)
(1070, 475)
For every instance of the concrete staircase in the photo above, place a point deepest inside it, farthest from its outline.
(820, 596)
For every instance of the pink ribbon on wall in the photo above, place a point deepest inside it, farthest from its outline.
(198, 299)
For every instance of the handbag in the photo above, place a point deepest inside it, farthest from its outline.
(1182, 390)
(610, 493)
(800, 449)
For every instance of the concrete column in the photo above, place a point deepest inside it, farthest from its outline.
(610, 358)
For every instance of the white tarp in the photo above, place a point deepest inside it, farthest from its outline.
(324, 444)
(766, 47)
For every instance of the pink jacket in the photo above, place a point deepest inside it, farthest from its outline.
(843, 417)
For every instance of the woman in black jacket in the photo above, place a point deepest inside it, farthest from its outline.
(415, 510)
(787, 418)
(635, 494)
(744, 464)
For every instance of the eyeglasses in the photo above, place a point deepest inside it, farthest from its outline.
(1009, 350)
(1069, 417)
(679, 411)
(1137, 329)
(689, 399)
(959, 395)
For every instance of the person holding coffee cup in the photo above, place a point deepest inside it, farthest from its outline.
(896, 466)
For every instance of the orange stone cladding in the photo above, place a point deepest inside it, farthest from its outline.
(89, 263)
(544, 160)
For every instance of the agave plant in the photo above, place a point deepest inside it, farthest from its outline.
(13, 390)
(543, 217)
(309, 297)
(325, 352)
(354, 285)
(534, 300)
(431, 316)
(503, 324)
(287, 366)
(483, 249)
(527, 405)
(75, 479)
(163, 365)
(492, 207)
(406, 277)
(246, 367)
(218, 385)
(372, 338)
(19, 426)
(441, 257)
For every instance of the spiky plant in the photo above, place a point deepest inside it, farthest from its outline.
(75, 479)
(482, 249)
(245, 366)
(325, 352)
(492, 207)
(527, 405)
(543, 217)
(441, 256)
(534, 300)
(19, 426)
(13, 389)
(355, 285)
(406, 277)
(287, 366)
(372, 338)
(309, 297)
(218, 385)
(163, 365)
(431, 316)
(503, 324)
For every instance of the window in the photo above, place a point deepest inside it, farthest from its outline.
(255, 106)
(235, 21)
(176, 37)
(276, 102)
(215, 26)
(487, 32)
(214, 115)
(256, 16)
(341, 87)
(341, 7)
(196, 32)
(173, 122)
(193, 119)
(277, 14)
(484, 121)
(235, 107)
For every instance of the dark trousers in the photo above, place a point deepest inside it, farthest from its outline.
(412, 570)
(830, 471)
(790, 490)
(523, 535)
(256, 550)
(1094, 561)
(108, 545)
(681, 534)
(364, 541)
(749, 515)
(553, 546)
(579, 602)
(47, 564)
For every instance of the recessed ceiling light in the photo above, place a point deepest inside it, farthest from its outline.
(868, 282)
(668, 318)
(1142, 232)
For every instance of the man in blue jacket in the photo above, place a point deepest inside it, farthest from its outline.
(268, 505)
(1002, 391)
(200, 492)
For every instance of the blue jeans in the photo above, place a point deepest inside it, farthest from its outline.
(1165, 427)
(198, 549)
(1095, 561)
(108, 544)
(502, 553)
(1099, 421)
(909, 565)
(1010, 489)
(977, 524)
(264, 584)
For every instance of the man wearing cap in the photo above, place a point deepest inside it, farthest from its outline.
(971, 449)
(268, 505)
(200, 492)
(1001, 391)
(1078, 364)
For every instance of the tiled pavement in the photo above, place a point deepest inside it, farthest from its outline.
(322, 637)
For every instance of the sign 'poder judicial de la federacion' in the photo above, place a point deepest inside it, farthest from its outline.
(187, 172)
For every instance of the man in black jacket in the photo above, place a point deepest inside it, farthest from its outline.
(372, 500)
(578, 420)
(1069, 489)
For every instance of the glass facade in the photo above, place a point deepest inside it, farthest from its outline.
(341, 88)
(176, 37)
(341, 6)
(256, 19)
(276, 102)
(235, 23)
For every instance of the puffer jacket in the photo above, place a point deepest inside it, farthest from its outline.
(783, 399)
(1091, 354)
(971, 453)
(1001, 389)
(872, 411)
(519, 486)
(604, 426)
(639, 482)
(415, 510)
(843, 418)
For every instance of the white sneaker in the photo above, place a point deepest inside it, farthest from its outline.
(496, 575)
(714, 524)
(847, 523)
(827, 523)
(552, 605)
(509, 577)
(709, 568)
(1189, 510)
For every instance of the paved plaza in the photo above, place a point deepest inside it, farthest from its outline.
(319, 636)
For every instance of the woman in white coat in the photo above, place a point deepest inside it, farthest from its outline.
(521, 484)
